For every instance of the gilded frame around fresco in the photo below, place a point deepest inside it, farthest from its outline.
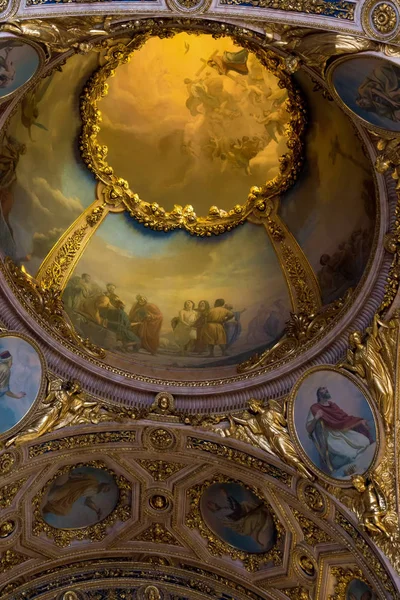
(35, 76)
(96, 532)
(344, 576)
(117, 191)
(218, 547)
(42, 387)
(296, 439)
(384, 133)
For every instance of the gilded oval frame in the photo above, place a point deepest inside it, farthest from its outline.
(42, 386)
(117, 191)
(34, 77)
(296, 438)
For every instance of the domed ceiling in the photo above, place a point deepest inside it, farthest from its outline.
(221, 204)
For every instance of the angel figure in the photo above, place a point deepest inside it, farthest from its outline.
(64, 405)
(266, 427)
(369, 360)
(373, 506)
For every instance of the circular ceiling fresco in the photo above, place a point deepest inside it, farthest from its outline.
(215, 126)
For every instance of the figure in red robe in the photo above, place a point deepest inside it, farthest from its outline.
(146, 320)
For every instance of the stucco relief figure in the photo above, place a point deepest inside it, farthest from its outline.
(369, 360)
(372, 505)
(65, 405)
(266, 427)
(339, 438)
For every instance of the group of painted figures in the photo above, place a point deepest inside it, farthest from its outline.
(101, 315)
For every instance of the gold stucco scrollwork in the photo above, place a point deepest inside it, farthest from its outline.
(158, 534)
(66, 405)
(45, 304)
(153, 215)
(10, 559)
(7, 528)
(9, 491)
(265, 426)
(7, 463)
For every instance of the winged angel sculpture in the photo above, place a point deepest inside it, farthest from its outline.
(265, 426)
(65, 405)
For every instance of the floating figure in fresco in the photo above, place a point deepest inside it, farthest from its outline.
(274, 124)
(62, 497)
(7, 69)
(273, 324)
(198, 96)
(184, 330)
(10, 153)
(243, 150)
(29, 107)
(6, 361)
(118, 322)
(233, 328)
(146, 320)
(78, 289)
(255, 328)
(249, 518)
(380, 93)
(110, 293)
(230, 61)
(213, 333)
(340, 439)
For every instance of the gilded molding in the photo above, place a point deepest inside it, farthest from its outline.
(215, 545)
(9, 491)
(10, 559)
(95, 533)
(160, 470)
(326, 8)
(313, 534)
(87, 440)
(117, 191)
(239, 457)
(45, 305)
(380, 19)
(157, 534)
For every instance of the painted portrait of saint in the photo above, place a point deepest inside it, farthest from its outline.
(239, 517)
(359, 590)
(20, 379)
(82, 497)
(335, 424)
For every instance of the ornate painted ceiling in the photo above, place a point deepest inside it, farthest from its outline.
(199, 240)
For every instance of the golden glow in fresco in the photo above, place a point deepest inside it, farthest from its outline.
(194, 120)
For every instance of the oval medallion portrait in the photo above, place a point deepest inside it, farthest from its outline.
(359, 590)
(19, 61)
(79, 498)
(21, 379)
(367, 86)
(238, 517)
(334, 424)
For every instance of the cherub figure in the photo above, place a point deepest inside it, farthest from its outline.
(373, 505)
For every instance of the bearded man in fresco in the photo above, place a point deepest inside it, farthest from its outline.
(146, 320)
(6, 361)
(339, 438)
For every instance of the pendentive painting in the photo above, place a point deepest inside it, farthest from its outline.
(18, 63)
(238, 517)
(21, 376)
(174, 300)
(80, 498)
(369, 87)
(334, 423)
(359, 590)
